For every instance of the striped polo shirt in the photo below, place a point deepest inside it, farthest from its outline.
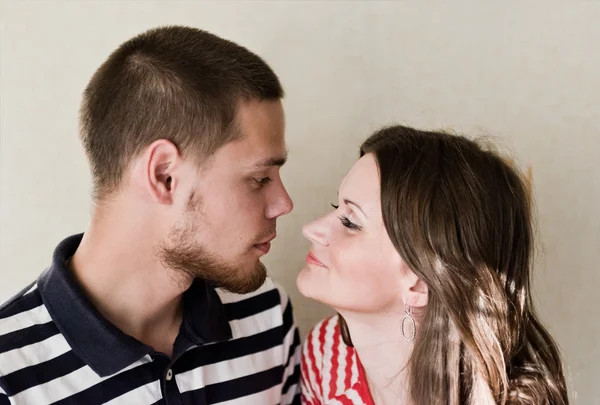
(55, 348)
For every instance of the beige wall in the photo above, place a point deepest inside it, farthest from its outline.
(526, 73)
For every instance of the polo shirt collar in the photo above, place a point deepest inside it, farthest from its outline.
(100, 344)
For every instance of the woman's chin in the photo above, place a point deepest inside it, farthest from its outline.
(309, 285)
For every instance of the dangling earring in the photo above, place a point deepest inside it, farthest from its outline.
(407, 316)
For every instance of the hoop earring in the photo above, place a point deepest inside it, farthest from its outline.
(407, 316)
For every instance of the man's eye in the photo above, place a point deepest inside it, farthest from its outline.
(262, 180)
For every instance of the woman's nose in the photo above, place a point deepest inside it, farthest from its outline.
(316, 232)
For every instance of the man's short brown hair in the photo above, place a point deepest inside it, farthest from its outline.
(177, 83)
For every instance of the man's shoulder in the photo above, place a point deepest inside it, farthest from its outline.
(24, 323)
(23, 314)
(20, 303)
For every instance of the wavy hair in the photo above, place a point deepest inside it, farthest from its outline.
(460, 216)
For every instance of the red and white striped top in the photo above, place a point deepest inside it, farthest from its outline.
(331, 371)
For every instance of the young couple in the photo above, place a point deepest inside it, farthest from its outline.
(426, 258)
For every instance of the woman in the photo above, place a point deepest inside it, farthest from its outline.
(427, 261)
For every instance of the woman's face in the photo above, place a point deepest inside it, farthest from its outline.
(352, 264)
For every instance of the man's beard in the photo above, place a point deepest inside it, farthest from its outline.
(191, 260)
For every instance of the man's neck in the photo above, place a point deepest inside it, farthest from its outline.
(116, 266)
(383, 353)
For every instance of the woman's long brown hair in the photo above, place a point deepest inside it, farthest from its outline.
(461, 218)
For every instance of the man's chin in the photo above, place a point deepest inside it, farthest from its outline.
(191, 262)
(248, 282)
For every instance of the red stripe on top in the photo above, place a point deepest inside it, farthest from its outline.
(349, 363)
(315, 370)
(307, 397)
(334, 363)
(320, 344)
(322, 350)
(345, 400)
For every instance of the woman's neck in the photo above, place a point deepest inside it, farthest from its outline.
(384, 354)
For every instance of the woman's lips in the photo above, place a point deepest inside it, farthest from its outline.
(312, 259)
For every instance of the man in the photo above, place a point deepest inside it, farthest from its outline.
(163, 300)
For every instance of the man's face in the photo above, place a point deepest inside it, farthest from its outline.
(230, 216)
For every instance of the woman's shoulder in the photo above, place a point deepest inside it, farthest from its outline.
(324, 331)
(324, 341)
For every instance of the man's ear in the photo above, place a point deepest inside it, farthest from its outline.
(160, 161)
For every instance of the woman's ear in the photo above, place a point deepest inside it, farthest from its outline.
(416, 293)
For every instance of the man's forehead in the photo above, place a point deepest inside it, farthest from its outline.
(260, 150)
(265, 117)
(261, 136)
(252, 155)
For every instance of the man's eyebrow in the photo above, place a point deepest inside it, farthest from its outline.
(272, 161)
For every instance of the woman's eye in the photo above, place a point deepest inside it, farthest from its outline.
(349, 224)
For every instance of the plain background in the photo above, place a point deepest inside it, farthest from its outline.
(525, 73)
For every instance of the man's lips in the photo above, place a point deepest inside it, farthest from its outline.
(266, 245)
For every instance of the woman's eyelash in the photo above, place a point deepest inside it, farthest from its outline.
(349, 224)
(346, 222)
